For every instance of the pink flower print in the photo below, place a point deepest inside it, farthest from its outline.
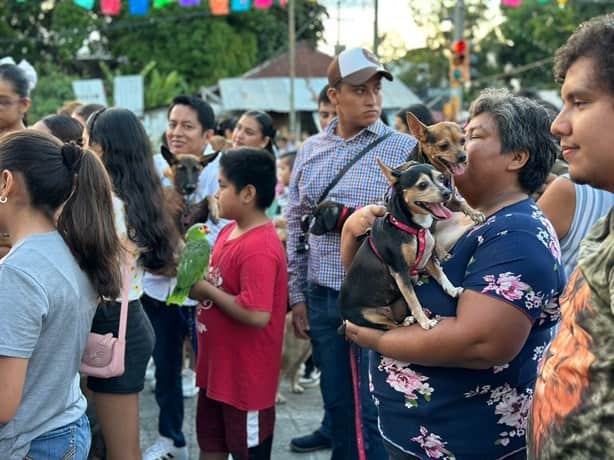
(432, 445)
(514, 409)
(507, 285)
(411, 384)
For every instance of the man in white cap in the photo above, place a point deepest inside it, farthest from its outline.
(315, 266)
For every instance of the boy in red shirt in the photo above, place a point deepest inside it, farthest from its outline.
(240, 320)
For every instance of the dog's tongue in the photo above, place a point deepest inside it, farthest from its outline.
(457, 169)
(439, 210)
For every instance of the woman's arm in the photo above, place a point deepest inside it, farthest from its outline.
(486, 332)
(558, 203)
(12, 379)
(203, 290)
(356, 225)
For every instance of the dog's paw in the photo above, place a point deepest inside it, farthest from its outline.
(409, 320)
(429, 324)
(279, 399)
(476, 216)
(296, 388)
(455, 292)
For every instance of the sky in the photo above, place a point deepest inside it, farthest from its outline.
(356, 25)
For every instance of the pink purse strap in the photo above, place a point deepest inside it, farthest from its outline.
(123, 314)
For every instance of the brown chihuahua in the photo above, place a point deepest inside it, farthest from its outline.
(399, 248)
(442, 145)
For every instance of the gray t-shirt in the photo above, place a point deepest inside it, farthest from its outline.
(46, 308)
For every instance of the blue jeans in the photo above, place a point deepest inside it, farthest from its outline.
(171, 325)
(70, 442)
(331, 355)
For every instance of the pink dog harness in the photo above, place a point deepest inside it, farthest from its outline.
(420, 235)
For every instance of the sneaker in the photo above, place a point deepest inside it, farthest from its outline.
(164, 449)
(311, 381)
(310, 443)
(188, 383)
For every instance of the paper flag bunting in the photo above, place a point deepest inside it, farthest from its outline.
(87, 4)
(188, 3)
(110, 7)
(238, 6)
(139, 7)
(283, 3)
(261, 4)
(219, 7)
(161, 3)
(511, 3)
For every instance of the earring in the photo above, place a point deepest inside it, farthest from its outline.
(3, 199)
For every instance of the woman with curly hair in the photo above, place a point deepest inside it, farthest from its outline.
(148, 233)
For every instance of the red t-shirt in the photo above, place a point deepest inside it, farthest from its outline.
(239, 364)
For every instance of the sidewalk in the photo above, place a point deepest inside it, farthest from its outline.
(300, 415)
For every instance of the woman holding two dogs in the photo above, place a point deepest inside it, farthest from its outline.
(150, 238)
(463, 388)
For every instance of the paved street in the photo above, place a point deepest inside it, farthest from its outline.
(301, 414)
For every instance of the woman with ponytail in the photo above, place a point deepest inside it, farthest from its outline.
(149, 235)
(254, 129)
(50, 285)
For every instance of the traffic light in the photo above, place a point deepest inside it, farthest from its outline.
(460, 67)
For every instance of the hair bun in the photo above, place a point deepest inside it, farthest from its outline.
(71, 155)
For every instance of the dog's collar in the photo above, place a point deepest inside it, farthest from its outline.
(419, 233)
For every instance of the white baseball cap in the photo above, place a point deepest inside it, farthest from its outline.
(355, 66)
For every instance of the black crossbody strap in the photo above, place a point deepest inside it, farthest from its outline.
(351, 163)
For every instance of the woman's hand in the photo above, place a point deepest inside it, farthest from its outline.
(356, 225)
(364, 337)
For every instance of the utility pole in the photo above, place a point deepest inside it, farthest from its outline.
(292, 62)
(459, 33)
(375, 32)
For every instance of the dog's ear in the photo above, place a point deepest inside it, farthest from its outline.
(169, 156)
(206, 159)
(417, 129)
(391, 175)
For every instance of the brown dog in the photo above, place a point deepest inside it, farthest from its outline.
(184, 173)
(295, 352)
(442, 145)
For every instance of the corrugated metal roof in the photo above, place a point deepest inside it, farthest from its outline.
(272, 94)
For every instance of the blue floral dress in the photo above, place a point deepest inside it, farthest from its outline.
(456, 413)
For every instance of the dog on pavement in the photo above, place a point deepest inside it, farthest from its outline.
(398, 248)
(294, 353)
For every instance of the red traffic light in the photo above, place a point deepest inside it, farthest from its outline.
(459, 46)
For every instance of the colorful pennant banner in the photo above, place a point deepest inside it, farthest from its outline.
(110, 7)
(139, 7)
(161, 3)
(87, 4)
(262, 4)
(511, 3)
(189, 3)
(219, 7)
(238, 6)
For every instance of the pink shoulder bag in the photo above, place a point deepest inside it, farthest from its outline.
(104, 354)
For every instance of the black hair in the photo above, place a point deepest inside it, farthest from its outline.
(421, 111)
(65, 128)
(289, 157)
(522, 125)
(245, 166)
(203, 110)
(127, 156)
(85, 111)
(224, 124)
(56, 174)
(265, 122)
(593, 39)
(18, 78)
(323, 96)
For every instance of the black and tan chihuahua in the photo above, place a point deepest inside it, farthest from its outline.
(442, 145)
(398, 248)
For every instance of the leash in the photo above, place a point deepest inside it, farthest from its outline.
(420, 235)
(360, 442)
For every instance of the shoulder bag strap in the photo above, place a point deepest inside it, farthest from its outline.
(351, 163)
(123, 314)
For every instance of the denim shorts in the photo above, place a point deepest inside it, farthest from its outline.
(70, 442)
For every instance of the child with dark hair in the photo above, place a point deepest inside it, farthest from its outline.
(15, 87)
(50, 284)
(64, 127)
(240, 319)
(83, 112)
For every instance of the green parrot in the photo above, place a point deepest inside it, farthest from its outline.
(193, 263)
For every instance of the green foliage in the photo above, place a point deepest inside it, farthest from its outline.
(52, 90)
(159, 88)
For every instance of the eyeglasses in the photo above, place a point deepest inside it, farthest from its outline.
(6, 102)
